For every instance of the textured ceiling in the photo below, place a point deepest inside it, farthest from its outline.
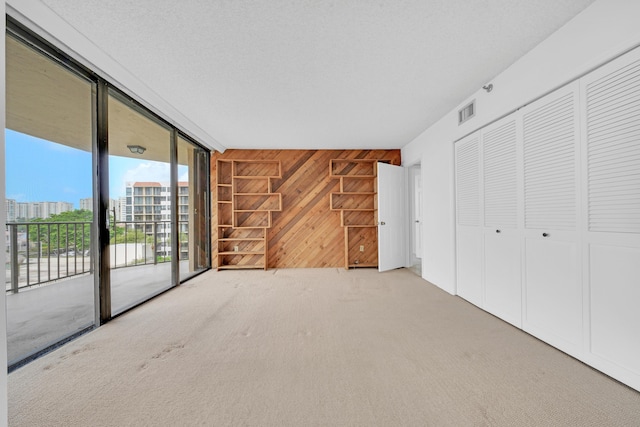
(315, 73)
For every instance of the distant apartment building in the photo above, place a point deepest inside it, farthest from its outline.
(122, 208)
(114, 204)
(46, 209)
(24, 211)
(148, 206)
(87, 204)
(12, 208)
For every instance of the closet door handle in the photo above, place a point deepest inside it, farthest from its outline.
(498, 231)
(545, 234)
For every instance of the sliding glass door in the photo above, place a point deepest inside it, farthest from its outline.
(49, 139)
(106, 203)
(140, 208)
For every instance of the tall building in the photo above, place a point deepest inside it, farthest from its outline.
(12, 208)
(115, 205)
(122, 208)
(87, 204)
(24, 211)
(148, 207)
(51, 208)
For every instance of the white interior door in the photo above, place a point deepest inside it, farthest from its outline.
(553, 294)
(502, 208)
(469, 236)
(611, 206)
(391, 217)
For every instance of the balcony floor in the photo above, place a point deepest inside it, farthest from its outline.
(43, 315)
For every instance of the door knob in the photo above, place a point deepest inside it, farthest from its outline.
(417, 221)
(382, 223)
(497, 231)
(545, 234)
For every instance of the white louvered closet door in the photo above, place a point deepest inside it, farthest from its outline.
(468, 219)
(502, 259)
(553, 289)
(611, 162)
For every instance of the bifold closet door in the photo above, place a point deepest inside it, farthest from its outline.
(468, 219)
(612, 204)
(502, 260)
(553, 289)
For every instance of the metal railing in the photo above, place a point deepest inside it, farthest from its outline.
(43, 252)
(140, 243)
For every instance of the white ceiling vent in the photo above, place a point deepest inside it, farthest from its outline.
(466, 112)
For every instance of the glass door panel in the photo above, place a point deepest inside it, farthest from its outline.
(49, 200)
(140, 205)
(193, 212)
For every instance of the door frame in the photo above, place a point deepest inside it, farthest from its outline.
(413, 171)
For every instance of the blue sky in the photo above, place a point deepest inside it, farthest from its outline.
(38, 170)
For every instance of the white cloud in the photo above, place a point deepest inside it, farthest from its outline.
(148, 172)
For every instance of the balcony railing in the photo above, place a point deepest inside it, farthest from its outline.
(44, 252)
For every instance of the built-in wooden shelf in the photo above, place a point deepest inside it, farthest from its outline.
(245, 205)
(357, 205)
(352, 201)
(240, 266)
(353, 168)
(241, 253)
(358, 218)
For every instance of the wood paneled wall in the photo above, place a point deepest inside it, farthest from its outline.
(305, 233)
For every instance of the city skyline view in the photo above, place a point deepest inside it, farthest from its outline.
(38, 170)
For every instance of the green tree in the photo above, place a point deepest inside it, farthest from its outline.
(122, 235)
(70, 231)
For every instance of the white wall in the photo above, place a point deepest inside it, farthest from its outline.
(601, 32)
(3, 220)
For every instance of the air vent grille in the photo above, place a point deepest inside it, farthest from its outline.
(467, 112)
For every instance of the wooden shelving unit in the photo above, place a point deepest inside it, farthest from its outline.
(357, 202)
(245, 204)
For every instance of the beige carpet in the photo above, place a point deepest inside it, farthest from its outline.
(313, 348)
